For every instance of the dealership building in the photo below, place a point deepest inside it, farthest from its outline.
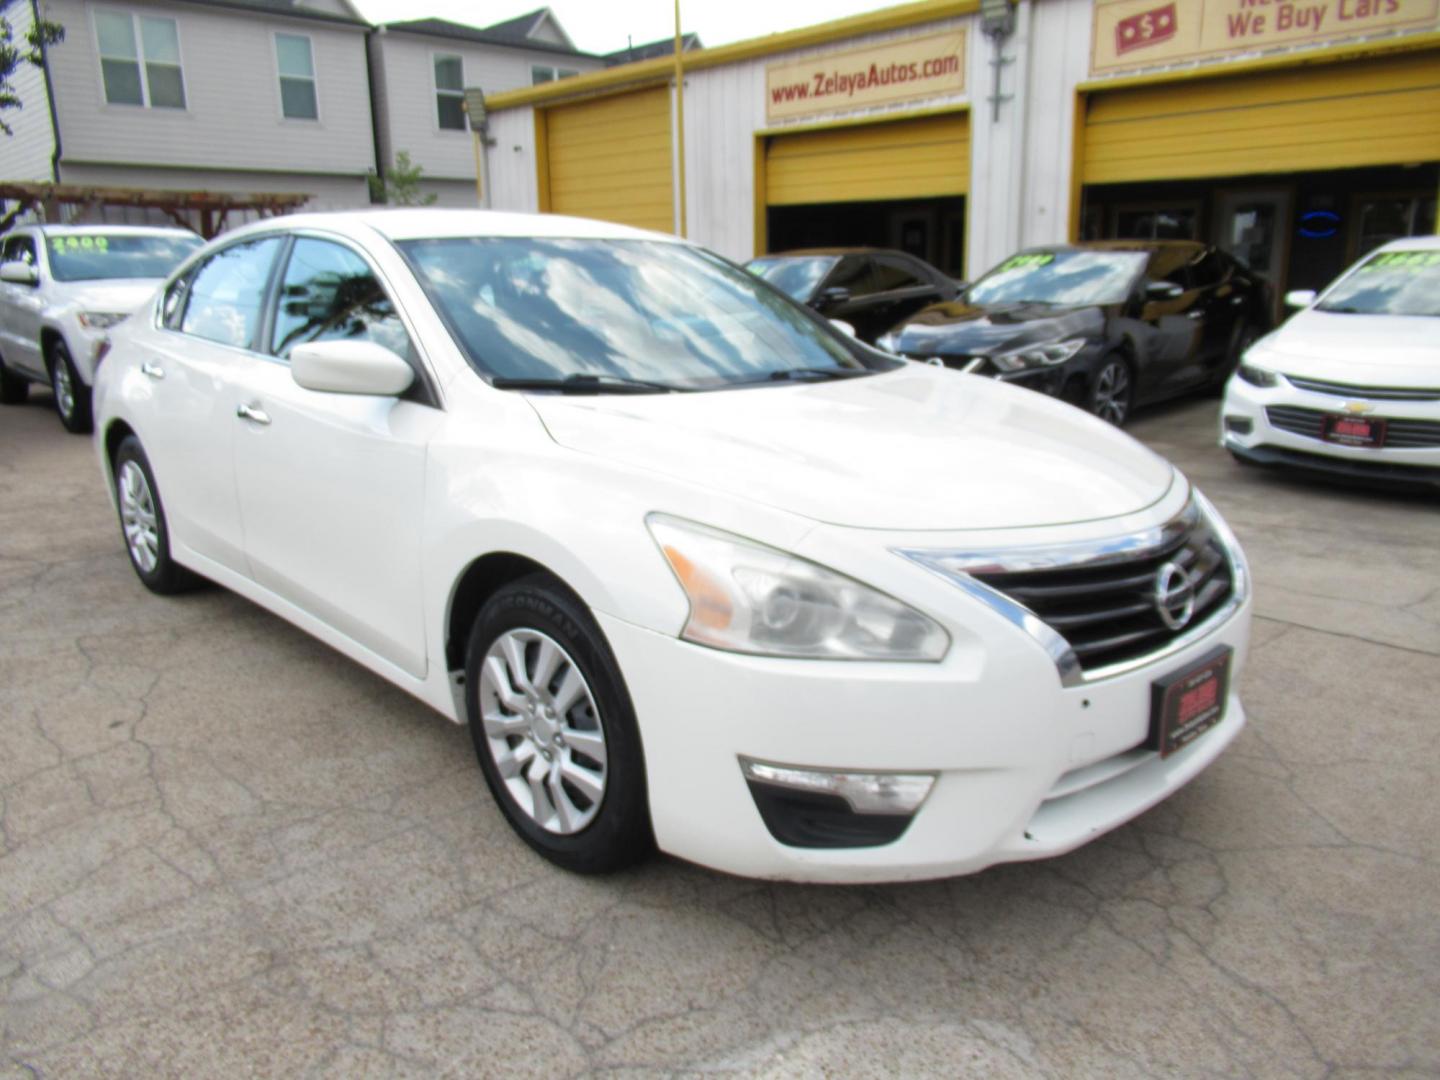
(1295, 135)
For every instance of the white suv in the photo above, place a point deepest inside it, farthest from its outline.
(61, 288)
(694, 566)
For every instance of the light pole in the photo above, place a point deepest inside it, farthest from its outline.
(479, 123)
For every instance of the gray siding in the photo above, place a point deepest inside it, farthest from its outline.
(409, 120)
(326, 192)
(232, 118)
(26, 155)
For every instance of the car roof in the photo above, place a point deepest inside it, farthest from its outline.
(810, 253)
(1413, 243)
(101, 228)
(1124, 245)
(420, 223)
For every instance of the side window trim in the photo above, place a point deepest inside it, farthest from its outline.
(425, 389)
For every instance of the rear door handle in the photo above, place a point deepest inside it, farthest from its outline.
(155, 371)
(253, 413)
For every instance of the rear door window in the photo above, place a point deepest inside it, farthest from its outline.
(228, 293)
(893, 272)
(853, 272)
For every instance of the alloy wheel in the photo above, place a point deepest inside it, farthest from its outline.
(138, 517)
(543, 730)
(64, 389)
(1111, 397)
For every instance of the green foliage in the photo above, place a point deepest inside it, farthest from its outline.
(401, 186)
(12, 54)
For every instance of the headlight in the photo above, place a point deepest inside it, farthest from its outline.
(101, 320)
(889, 341)
(1046, 355)
(749, 598)
(1256, 376)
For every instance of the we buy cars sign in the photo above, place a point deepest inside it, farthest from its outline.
(1131, 34)
(910, 69)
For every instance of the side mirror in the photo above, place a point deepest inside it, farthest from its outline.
(836, 294)
(350, 367)
(19, 273)
(1162, 290)
(843, 326)
(1299, 298)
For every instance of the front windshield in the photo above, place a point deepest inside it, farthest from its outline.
(1389, 283)
(1060, 277)
(100, 256)
(665, 313)
(795, 277)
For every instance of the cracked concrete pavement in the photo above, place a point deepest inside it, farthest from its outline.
(227, 851)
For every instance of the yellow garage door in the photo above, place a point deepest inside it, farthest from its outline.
(904, 159)
(610, 159)
(1329, 116)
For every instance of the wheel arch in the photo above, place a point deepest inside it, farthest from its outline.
(115, 433)
(479, 581)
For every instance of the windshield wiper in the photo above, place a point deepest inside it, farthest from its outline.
(1341, 309)
(586, 383)
(800, 373)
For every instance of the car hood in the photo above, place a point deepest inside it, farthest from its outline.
(1403, 350)
(914, 449)
(962, 329)
(119, 296)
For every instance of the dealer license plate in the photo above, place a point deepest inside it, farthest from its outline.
(1186, 704)
(1355, 430)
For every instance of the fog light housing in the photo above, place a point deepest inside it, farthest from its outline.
(1241, 425)
(822, 808)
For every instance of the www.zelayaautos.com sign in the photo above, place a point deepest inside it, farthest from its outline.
(909, 69)
(1132, 34)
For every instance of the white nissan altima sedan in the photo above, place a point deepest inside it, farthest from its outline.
(698, 570)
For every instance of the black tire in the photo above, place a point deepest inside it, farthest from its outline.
(1241, 338)
(72, 396)
(1112, 390)
(166, 576)
(14, 389)
(618, 834)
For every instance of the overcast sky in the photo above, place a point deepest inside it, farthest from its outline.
(602, 25)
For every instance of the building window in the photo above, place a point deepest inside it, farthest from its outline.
(296, 63)
(162, 85)
(543, 73)
(450, 91)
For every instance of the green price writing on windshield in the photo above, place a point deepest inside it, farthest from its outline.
(1403, 260)
(63, 245)
(1037, 258)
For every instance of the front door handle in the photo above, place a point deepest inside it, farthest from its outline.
(253, 413)
(155, 371)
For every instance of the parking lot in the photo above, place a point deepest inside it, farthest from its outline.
(225, 850)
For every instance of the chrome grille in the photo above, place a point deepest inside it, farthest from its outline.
(1108, 612)
(1375, 393)
(1400, 433)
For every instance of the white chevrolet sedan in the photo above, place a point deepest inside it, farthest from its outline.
(1349, 386)
(698, 570)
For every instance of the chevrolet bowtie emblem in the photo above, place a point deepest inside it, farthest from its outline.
(1358, 407)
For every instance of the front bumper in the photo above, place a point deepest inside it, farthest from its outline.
(1024, 768)
(1249, 433)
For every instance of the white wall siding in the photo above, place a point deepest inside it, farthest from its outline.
(724, 107)
(26, 154)
(410, 121)
(997, 145)
(1060, 59)
(514, 184)
(232, 117)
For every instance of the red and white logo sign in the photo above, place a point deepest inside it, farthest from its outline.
(1145, 29)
